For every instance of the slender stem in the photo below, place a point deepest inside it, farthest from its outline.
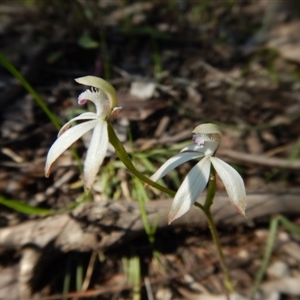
(211, 190)
(216, 239)
(123, 155)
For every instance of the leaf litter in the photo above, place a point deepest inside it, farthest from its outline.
(174, 66)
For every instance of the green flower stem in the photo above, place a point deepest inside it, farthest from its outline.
(216, 239)
(211, 190)
(123, 155)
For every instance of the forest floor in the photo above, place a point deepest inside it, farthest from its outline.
(174, 65)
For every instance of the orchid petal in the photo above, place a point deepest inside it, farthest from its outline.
(65, 141)
(233, 183)
(190, 189)
(115, 111)
(174, 162)
(208, 148)
(84, 116)
(192, 147)
(96, 153)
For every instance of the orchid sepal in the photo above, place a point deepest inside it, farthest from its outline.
(190, 189)
(82, 117)
(233, 184)
(95, 154)
(65, 140)
(174, 162)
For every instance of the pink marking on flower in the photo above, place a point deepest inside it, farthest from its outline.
(82, 101)
(84, 97)
(198, 140)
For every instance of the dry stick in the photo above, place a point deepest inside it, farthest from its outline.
(262, 160)
(89, 272)
(66, 231)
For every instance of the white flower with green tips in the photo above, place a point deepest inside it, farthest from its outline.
(207, 138)
(103, 95)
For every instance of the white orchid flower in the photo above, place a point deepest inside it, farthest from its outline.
(103, 95)
(207, 138)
